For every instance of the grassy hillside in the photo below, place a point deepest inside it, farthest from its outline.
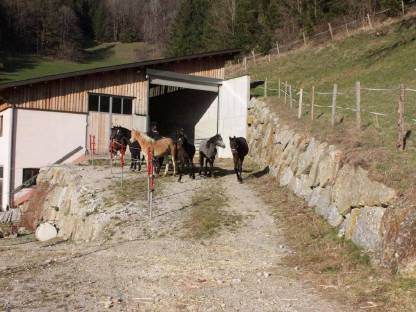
(19, 67)
(382, 58)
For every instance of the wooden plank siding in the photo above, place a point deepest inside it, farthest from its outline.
(71, 94)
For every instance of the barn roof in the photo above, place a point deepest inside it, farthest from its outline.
(226, 53)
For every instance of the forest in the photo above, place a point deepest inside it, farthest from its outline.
(63, 28)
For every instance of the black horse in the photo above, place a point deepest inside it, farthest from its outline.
(239, 148)
(207, 153)
(185, 152)
(121, 137)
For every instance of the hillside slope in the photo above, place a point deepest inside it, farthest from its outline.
(20, 67)
(381, 58)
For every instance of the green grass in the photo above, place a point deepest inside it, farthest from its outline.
(208, 215)
(383, 58)
(21, 67)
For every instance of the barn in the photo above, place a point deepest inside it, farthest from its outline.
(49, 120)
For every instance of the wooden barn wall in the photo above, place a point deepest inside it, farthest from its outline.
(71, 94)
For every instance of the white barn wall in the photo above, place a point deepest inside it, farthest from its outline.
(44, 137)
(5, 155)
(234, 99)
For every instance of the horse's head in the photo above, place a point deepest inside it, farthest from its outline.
(180, 141)
(120, 134)
(218, 140)
(233, 144)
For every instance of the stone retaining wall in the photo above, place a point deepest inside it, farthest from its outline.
(341, 193)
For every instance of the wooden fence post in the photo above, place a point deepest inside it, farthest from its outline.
(265, 88)
(334, 105)
(290, 96)
(254, 56)
(358, 104)
(300, 103)
(400, 123)
(330, 31)
(279, 88)
(245, 62)
(285, 92)
(370, 24)
(268, 57)
(403, 10)
(277, 47)
(304, 38)
(313, 103)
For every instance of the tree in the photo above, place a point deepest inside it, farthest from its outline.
(188, 28)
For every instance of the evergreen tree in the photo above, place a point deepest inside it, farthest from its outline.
(188, 29)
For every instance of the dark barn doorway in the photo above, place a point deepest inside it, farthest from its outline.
(183, 101)
(181, 109)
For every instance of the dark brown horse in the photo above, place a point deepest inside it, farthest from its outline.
(185, 152)
(239, 148)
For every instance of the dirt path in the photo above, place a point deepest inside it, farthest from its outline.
(236, 269)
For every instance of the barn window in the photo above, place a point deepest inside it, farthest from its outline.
(127, 106)
(104, 104)
(93, 103)
(29, 176)
(101, 103)
(116, 105)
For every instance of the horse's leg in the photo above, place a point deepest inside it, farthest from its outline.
(174, 163)
(191, 169)
(201, 162)
(180, 170)
(240, 169)
(166, 168)
(235, 159)
(211, 165)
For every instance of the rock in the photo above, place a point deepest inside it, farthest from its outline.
(286, 177)
(45, 232)
(21, 231)
(267, 274)
(399, 240)
(353, 188)
(367, 232)
(306, 159)
(236, 281)
(319, 154)
(348, 225)
(329, 166)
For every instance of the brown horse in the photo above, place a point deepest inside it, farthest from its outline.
(159, 148)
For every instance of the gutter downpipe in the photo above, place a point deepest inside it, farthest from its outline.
(12, 159)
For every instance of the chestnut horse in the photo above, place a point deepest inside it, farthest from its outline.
(159, 148)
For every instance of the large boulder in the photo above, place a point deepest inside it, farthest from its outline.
(318, 156)
(367, 232)
(399, 240)
(348, 225)
(353, 188)
(328, 166)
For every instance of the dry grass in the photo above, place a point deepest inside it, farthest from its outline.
(341, 270)
(368, 148)
(208, 215)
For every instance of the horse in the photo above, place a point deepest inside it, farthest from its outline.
(207, 153)
(184, 154)
(239, 149)
(121, 137)
(159, 148)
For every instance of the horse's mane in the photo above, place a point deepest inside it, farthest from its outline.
(213, 139)
(144, 136)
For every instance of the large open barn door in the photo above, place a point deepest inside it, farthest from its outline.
(233, 102)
